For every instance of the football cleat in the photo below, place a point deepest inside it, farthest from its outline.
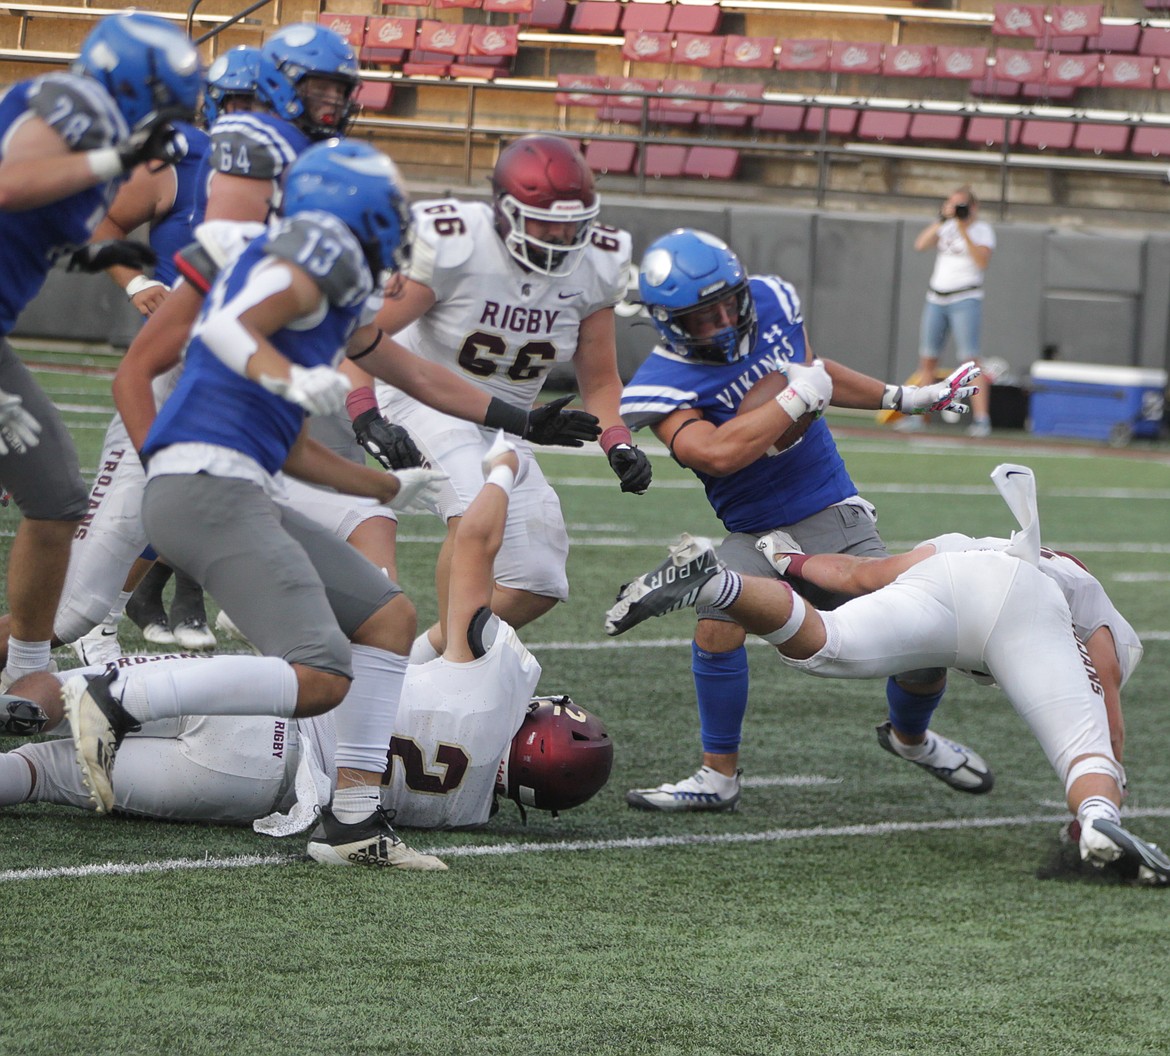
(674, 584)
(956, 764)
(98, 646)
(706, 789)
(369, 842)
(194, 634)
(1103, 841)
(98, 723)
(20, 717)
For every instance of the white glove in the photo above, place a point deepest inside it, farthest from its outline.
(779, 548)
(19, 430)
(809, 389)
(418, 489)
(943, 395)
(319, 390)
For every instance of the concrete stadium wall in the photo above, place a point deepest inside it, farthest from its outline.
(1082, 296)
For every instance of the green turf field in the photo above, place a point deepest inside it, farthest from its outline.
(852, 906)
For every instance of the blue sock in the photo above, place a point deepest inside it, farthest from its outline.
(909, 712)
(721, 686)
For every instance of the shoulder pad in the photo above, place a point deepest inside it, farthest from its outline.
(783, 294)
(444, 238)
(224, 240)
(609, 255)
(243, 147)
(78, 109)
(324, 247)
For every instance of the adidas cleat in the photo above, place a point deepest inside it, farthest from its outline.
(98, 723)
(20, 717)
(369, 842)
(1103, 841)
(706, 789)
(953, 763)
(674, 584)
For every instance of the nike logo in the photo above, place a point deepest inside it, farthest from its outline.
(1016, 473)
(566, 296)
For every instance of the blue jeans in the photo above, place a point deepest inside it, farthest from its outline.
(962, 319)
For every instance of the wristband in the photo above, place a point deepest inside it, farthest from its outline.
(506, 416)
(105, 163)
(615, 435)
(795, 564)
(139, 283)
(360, 400)
(892, 398)
(502, 477)
(791, 625)
(789, 401)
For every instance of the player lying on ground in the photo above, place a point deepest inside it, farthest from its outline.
(985, 611)
(465, 730)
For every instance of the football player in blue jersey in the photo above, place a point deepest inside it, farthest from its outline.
(68, 141)
(262, 358)
(720, 332)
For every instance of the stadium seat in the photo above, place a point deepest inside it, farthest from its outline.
(478, 71)
(698, 49)
(1127, 71)
(628, 109)
(606, 157)
(712, 163)
(1047, 135)
(441, 39)
(883, 125)
(686, 18)
(855, 57)
(497, 43)
(546, 14)
(1119, 40)
(663, 160)
(517, 7)
(1102, 139)
(350, 27)
(1075, 71)
(947, 128)
(388, 40)
(989, 86)
(1151, 140)
(841, 121)
(749, 53)
(1019, 20)
(1070, 21)
(643, 45)
(989, 131)
(1024, 66)
(576, 89)
(375, 96)
(650, 17)
(733, 105)
(809, 55)
(780, 117)
(963, 64)
(671, 110)
(596, 16)
(1155, 41)
(908, 60)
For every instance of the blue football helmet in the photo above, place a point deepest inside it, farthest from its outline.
(294, 53)
(688, 270)
(231, 76)
(361, 187)
(148, 66)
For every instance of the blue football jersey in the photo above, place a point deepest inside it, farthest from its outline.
(173, 231)
(778, 488)
(83, 114)
(254, 145)
(212, 404)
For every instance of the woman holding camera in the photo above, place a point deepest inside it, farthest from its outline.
(954, 301)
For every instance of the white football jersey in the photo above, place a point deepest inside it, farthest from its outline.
(499, 326)
(455, 723)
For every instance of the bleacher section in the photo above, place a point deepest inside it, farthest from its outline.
(772, 93)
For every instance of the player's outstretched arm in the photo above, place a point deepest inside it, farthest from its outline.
(846, 574)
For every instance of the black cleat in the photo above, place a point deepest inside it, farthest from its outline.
(20, 717)
(369, 842)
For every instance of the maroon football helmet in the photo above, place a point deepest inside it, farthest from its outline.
(560, 757)
(544, 178)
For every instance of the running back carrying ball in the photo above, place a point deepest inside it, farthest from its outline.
(768, 388)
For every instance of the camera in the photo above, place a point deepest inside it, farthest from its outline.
(962, 210)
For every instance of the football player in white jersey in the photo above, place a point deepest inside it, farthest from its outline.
(501, 293)
(984, 611)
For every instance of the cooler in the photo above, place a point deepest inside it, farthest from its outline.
(1096, 402)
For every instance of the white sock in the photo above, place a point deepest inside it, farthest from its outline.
(355, 803)
(114, 616)
(16, 779)
(365, 718)
(721, 590)
(422, 651)
(1098, 807)
(24, 658)
(913, 751)
(219, 685)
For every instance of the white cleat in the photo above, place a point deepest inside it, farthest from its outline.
(706, 789)
(1103, 841)
(98, 723)
(371, 842)
(953, 763)
(99, 646)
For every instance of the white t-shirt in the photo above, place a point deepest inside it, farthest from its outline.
(955, 270)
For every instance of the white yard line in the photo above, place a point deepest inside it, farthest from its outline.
(634, 843)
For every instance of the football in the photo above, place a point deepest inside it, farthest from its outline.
(768, 388)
